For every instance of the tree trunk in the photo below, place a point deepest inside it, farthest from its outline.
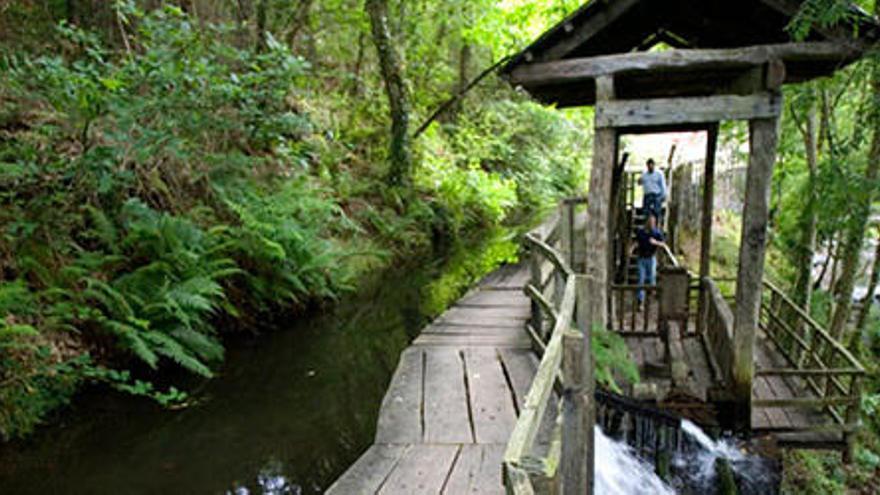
(72, 12)
(464, 61)
(260, 34)
(400, 154)
(356, 86)
(855, 236)
(828, 255)
(807, 245)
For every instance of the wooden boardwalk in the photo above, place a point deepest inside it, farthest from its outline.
(453, 401)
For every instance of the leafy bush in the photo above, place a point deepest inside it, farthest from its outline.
(165, 177)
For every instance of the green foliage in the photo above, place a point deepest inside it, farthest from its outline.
(812, 473)
(164, 176)
(612, 359)
(469, 263)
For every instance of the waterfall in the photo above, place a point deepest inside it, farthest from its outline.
(619, 471)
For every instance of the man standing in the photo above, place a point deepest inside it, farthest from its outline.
(654, 190)
(648, 239)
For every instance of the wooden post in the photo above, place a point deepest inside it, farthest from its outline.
(762, 154)
(566, 227)
(706, 218)
(852, 417)
(592, 310)
(579, 415)
(598, 255)
(537, 319)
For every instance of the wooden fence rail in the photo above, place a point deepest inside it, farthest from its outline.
(831, 373)
(553, 289)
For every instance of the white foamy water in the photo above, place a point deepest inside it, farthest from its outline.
(620, 472)
(702, 463)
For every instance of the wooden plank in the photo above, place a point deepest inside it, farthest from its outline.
(400, 418)
(422, 470)
(369, 471)
(680, 60)
(490, 396)
(443, 329)
(776, 417)
(507, 277)
(697, 109)
(519, 341)
(521, 366)
(495, 298)
(520, 313)
(446, 403)
(477, 471)
(698, 361)
(479, 320)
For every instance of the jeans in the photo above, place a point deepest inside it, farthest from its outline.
(653, 203)
(647, 274)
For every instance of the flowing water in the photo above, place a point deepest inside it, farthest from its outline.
(289, 411)
(619, 470)
(293, 408)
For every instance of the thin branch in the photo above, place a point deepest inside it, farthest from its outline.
(458, 96)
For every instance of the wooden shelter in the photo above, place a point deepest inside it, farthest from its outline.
(676, 65)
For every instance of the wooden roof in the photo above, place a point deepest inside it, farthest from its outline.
(616, 34)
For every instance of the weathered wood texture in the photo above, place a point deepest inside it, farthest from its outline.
(693, 110)
(717, 328)
(604, 157)
(453, 400)
(763, 134)
(682, 61)
(719, 48)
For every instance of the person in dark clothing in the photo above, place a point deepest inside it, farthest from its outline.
(648, 239)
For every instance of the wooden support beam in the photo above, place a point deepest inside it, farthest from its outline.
(666, 111)
(706, 219)
(681, 60)
(763, 137)
(765, 77)
(578, 35)
(604, 153)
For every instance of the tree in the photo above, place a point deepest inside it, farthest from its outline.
(855, 235)
(400, 152)
(809, 218)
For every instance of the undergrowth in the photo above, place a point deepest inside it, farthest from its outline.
(154, 197)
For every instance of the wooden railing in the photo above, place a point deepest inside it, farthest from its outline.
(553, 290)
(832, 374)
(630, 319)
(640, 320)
(718, 332)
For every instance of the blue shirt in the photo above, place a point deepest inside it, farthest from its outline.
(644, 248)
(654, 183)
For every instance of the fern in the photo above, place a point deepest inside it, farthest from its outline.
(612, 359)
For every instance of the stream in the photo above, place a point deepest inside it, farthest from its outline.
(287, 413)
(292, 408)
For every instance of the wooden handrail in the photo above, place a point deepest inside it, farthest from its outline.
(551, 254)
(816, 327)
(535, 403)
(524, 473)
(535, 293)
(808, 372)
(673, 261)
